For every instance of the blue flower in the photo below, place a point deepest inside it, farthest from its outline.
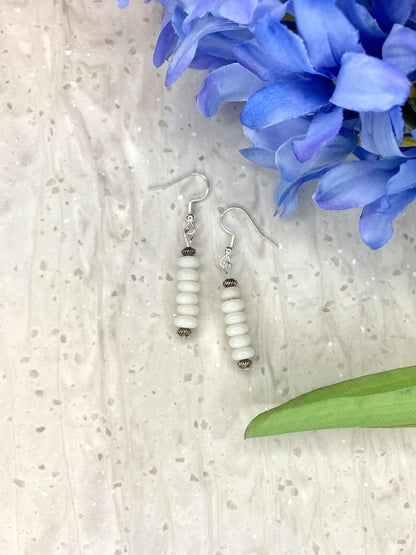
(301, 85)
(365, 98)
(384, 187)
(321, 81)
(202, 34)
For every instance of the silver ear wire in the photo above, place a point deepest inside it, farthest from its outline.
(207, 190)
(225, 260)
(240, 209)
(184, 178)
(189, 229)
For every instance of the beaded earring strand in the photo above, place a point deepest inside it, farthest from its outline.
(232, 305)
(188, 277)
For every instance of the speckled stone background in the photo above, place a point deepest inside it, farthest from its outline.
(118, 437)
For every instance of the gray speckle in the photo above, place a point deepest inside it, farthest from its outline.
(297, 451)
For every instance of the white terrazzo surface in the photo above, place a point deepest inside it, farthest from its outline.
(118, 437)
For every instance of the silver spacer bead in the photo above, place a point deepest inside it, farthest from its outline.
(184, 332)
(246, 363)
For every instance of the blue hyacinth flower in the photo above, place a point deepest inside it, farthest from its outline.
(373, 88)
(321, 82)
(383, 187)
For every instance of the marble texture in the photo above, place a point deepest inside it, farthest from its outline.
(118, 436)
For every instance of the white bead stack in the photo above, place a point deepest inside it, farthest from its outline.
(235, 319)
(187, 297)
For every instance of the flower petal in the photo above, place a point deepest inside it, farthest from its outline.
(377, 218)
(261, 156)
(399, 49)
(354, 184)
(388, 12)
(186, 49)
(206, 61)
(326, 31)
(371, 36)
(274, 136)
(222, 44)
(363, 154)
(324, 126)
(240, 12)
(274, 9)
(411, 22)
(200, 9)
(397, 123)
(286, 195)
(284, 48)
(177, 16)
(367, 84)
(377, 134)
(404, 179)
(334, 152)
(294, 173)
(286, 98)
(253, 58)
(225, 84)
(165, 44)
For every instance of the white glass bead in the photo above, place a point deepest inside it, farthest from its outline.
(243, 353)
(188, 309)
(186, 322)
(188, 286)
(188, 262)
(230, 293)
(235, 318)
(187, 298)
(187, 274)
(239, 341)
(233, 305)
(236, 329)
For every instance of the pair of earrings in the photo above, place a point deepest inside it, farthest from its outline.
(188, 285)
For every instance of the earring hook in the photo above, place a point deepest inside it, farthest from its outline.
(257, 229)
(177, 181)
(189, 229)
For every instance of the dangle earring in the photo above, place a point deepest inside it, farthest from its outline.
(187, 277)
(232, 305)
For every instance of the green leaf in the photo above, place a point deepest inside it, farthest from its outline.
(386, 399)
(409, 112)
(412, 102)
